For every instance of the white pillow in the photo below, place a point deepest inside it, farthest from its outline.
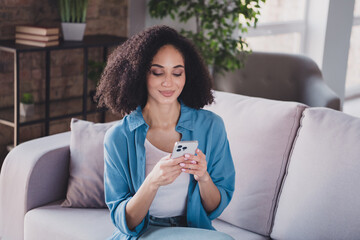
(260, 133)
(86, 184)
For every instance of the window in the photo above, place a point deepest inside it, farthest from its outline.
(352, 86)
(281, 27)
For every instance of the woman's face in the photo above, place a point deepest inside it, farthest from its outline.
(166, 78)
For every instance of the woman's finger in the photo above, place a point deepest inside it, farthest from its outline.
(191, 171)
(175, 161)
(189, 165)
(200, 154)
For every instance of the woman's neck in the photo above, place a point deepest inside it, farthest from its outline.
(161, 115)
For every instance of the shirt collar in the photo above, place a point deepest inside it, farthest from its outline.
(136, 119)
(186, 121)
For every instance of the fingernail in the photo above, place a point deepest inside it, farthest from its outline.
(183, 170)
(185, 158)
(193, 162)
(187, 155)
(197, 150)
(182, 164)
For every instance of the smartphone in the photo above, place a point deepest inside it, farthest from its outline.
(183, 147)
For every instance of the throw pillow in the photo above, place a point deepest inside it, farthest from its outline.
(86, 184)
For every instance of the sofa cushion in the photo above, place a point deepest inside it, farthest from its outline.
(236, 232)
(86, 184)
(260, 134)
(320, 198)
(57, 223)
(54, 222)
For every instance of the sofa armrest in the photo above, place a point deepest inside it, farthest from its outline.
(314, 90)
(316, 93)
(33, 174)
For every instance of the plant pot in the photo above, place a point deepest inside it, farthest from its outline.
(73, 31)
(27, 110)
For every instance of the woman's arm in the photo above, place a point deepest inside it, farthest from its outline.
(209, 193)
(164, 173)
(138, 206)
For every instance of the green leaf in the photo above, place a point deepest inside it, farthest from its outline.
(27, 98)
(73, 10)
(217, 22)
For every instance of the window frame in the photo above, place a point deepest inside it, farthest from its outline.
(354, 91)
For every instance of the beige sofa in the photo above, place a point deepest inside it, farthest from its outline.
(297, 177)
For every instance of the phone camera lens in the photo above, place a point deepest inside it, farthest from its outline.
(184, 148)
(180, 146)
(178, 150)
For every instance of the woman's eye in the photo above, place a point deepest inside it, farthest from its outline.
(156, 73)
(177, 74)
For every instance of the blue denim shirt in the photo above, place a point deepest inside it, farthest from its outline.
(124, 155)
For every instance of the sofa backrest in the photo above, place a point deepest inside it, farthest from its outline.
(261, 134)
(279, 76)
(320, 198)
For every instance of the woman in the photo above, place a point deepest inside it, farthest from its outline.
(160, 82)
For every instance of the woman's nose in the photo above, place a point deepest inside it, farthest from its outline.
(167, 81)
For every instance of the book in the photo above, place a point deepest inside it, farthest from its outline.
(36, 37)
(37, 30)
(36, 43)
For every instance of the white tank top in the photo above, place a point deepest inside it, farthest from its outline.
(170, 200)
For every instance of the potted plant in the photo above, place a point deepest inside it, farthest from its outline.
(95, 70)
(218, 27)
(73, 19)
(27, 105)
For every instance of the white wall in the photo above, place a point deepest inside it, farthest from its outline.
(139, 19)
(136, 16)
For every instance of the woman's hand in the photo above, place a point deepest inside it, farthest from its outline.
(165, 171)
(196, 165)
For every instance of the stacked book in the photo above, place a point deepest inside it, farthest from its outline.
(37, 36)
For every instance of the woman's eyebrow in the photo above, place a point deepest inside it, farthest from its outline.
(178, 66)
(157, 65)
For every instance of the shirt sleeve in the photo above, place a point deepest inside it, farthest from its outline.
(116, 185)
(221, 167)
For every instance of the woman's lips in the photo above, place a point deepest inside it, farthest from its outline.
(167, 93)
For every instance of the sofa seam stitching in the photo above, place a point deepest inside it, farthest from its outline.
(284, 166)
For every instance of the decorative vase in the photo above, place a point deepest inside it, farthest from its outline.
(27, 110)
(73, 31)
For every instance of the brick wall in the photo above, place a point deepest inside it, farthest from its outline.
(103, 17)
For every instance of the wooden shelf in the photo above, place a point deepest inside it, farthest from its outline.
(63, 108)
(45, 112)
(88, 41)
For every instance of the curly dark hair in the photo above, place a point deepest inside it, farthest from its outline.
(123, 86)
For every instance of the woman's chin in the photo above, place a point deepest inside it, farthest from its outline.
(168, 100)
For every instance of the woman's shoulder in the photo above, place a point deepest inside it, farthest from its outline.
(118, 130)
(209, 116)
